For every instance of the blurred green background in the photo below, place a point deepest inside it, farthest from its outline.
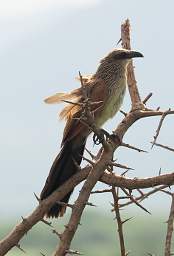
(97, 235)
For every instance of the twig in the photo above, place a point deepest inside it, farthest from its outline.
(120, 166)
(132, 147)
(72, 252)
(144, 195)
(47, 223)
(135, 201)
(163, 146)
(101, 191)
(58, 234)
(119, 222)
(160, 125)
(169, 229)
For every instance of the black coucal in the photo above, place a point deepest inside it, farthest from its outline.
(108, 85)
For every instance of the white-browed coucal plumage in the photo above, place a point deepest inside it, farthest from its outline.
(108, 85)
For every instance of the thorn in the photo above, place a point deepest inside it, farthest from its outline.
(119, 41)
(132, 147)
(167, 192)
(55, 232)
(120, 166)
(147, 98)
(87, 160)
(42, 254)
(65, 204)
(91, 155)
(47, 223)
(159, 171)
(91, 204)
(124, 113)
(127, 253)
(124, 221)
(37, 198)
(123, 197)
(23, 219)
(141, 192)
(124, 173)
(73, 252)
(73, 103)
(150, 254)
(19, 247)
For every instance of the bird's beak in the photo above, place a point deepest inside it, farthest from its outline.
(134, 54)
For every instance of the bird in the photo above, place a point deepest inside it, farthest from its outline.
(107, 85)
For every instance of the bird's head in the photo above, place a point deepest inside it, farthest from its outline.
(121, 56)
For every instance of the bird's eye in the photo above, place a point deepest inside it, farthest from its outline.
(121, 55)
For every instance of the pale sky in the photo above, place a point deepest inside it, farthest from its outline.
(43, 46)
(10, 8)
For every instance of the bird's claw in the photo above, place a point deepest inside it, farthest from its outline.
(99, 138)
(103, 135)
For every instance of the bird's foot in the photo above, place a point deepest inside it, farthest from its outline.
(99, 138)
(104, 135)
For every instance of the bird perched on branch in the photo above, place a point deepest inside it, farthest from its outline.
(108, 86)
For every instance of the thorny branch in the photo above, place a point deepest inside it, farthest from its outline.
(119, 221)
(132, 84)
(170, 229)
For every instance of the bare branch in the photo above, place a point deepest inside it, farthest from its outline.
(135, 201)
(81, 202)
(144, 195)
(120, 165)
(101, 191)
(119, 222)
(169, 229)
(163, 146)
(132, 147)
(132, 84)
(160, 125)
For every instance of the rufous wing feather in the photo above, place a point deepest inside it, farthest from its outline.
(56, 98)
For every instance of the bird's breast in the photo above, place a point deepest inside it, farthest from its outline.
(112, 103)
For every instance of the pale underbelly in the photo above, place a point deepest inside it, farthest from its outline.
(112, 106)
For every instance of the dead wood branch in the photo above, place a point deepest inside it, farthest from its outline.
(119, 221)
(169, 229)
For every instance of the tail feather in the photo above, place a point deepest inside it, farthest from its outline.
(62, 169)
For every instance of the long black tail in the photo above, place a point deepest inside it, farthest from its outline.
(62, 169)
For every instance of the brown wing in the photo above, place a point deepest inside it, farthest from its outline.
(98, 92)
(75, 94)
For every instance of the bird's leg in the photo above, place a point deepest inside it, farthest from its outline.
(100, 137)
